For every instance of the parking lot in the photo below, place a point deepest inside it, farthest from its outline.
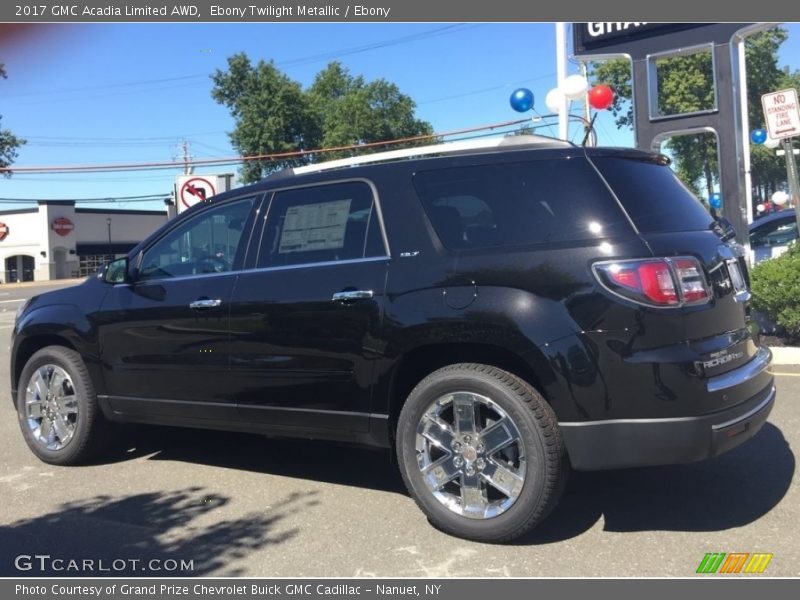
(238, 504)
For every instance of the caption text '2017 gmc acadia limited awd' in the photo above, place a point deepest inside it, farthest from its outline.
(497, 312)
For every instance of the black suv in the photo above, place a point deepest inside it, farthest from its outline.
(497, 312)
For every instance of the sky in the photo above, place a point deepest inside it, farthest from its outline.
(112, 93)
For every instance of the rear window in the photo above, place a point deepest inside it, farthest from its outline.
(653, 196)
(509, 204)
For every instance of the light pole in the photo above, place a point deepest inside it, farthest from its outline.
(108, 222)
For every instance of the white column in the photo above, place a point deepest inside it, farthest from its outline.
(561, 74)
(745, 133)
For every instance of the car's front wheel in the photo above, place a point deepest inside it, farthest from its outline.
(481, 452)
(57, 407)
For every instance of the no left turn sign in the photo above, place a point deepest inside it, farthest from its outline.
(195, 190)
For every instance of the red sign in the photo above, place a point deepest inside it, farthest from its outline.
(3, 231)
(63, 226)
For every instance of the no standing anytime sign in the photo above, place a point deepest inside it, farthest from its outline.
(782, 113)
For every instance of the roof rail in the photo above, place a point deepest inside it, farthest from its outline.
(446, 148)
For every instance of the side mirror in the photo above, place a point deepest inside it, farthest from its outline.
(117, 271)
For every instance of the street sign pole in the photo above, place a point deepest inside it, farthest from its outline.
(782, 114)
(792, 177)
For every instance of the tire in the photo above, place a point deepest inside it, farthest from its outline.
(56, 380)
(467, 482)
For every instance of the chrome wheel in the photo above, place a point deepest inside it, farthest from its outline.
(51, 407)
(470, 454)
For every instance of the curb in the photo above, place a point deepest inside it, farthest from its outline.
(785, 355)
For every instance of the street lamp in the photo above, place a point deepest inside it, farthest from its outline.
(108, 222)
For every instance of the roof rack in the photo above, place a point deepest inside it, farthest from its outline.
(446, 148)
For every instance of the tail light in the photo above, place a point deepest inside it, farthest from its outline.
(662, 282)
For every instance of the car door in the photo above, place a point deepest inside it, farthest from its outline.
(163, 337)
(306, 320)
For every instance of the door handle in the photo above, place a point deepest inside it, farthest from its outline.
(204, 303)
(351, 295)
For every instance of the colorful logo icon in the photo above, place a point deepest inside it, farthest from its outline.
(734, 562)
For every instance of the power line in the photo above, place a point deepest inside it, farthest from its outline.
(97, 168)
(484, 90)
(145, 198)
(506, 128)
(120, 139)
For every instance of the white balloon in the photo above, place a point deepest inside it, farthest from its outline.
(772, 143)
(554, 100)
(780, 198)
(574, 86)
(760, 207)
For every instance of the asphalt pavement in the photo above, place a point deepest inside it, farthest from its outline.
(236, 504)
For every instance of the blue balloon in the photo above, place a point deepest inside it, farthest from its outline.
(758, 136)
(715, 200)
(521, 100)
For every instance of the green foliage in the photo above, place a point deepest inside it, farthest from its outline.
(685, 85)
(696, 161)
(8, 141)
(617, 74)
(775, 285)
(764, 75)
(274, 114)
(351, 111)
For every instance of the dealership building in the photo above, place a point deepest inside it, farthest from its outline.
(55, 240)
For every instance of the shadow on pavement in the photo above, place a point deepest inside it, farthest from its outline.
(729, 491)
(162, 526)
(301, 459)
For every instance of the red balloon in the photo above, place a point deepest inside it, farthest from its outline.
(601, 97)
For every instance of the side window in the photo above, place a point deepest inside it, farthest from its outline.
(321, 224)
(509, 204)
(206, 243)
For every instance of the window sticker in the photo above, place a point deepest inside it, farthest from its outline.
(318, 226)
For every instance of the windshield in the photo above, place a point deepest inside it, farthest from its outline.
(776, 233)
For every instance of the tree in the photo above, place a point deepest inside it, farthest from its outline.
(274, 114)
(685, 85)
(351, 111)
(763, 76)
(8, 141)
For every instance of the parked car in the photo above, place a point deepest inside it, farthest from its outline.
(497, 312)
(771, 235)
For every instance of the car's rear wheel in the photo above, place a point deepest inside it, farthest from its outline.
(57, 407)
(481, 452)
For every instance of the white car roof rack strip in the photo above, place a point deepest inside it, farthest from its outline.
(448, 147)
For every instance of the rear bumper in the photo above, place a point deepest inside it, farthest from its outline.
(596, 445)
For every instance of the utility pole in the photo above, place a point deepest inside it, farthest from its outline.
(188, 168)
(110, 252)
(587, 111)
